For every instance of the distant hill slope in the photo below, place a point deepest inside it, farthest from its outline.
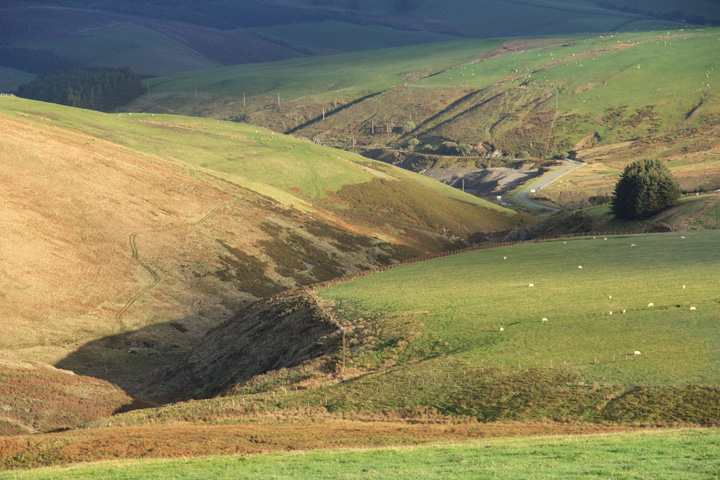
(113, 223)
(154, 37)
(503, 99)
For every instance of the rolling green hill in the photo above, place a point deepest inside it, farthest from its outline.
(630, 337)
(602, 98)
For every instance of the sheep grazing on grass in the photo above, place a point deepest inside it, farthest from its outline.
(502, 329)
(651, 304)
(610, 297)
(504, 258)
(633, 245)
(683, 287)
(531, 284)
(580, 267)
(544, 319)
(623, 311)
(693, 308)
(682, 237)
(637, 352)
(605, 238)
(610, 312)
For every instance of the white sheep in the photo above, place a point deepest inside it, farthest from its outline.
(544, 319)
(683, 287)
(502, 329)
(651, 304)
(637, 352)
(504, 258)
(531, 284)
(693, 308)
(610, 312)
(633, 245)
(623, 311)
(610, 297)
(580, 267)
(682, 237)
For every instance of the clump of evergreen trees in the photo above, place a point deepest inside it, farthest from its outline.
(103, 89)
(645, 188)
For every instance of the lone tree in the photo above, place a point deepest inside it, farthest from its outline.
(645, 188)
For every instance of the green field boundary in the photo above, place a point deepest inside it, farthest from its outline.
(383, 268)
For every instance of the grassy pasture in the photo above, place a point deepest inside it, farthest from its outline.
(126, 45)
(689, 454)
(465, 299)
(425, 340)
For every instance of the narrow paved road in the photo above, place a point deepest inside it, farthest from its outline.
(523, 197)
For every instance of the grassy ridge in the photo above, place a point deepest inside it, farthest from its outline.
(660, 455)
(291, 171)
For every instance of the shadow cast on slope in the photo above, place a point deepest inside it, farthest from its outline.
(259, 339)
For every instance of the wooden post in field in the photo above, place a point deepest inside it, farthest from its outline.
(323, 113)
(371, 123)
(278, 99)
(244, 102)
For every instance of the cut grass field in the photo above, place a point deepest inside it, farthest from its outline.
(688, 454)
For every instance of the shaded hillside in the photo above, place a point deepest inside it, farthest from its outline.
(154, 37)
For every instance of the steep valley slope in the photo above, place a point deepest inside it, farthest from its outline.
(141, 233)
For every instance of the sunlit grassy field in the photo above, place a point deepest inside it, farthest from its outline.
(688, 454)
(597, 315)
